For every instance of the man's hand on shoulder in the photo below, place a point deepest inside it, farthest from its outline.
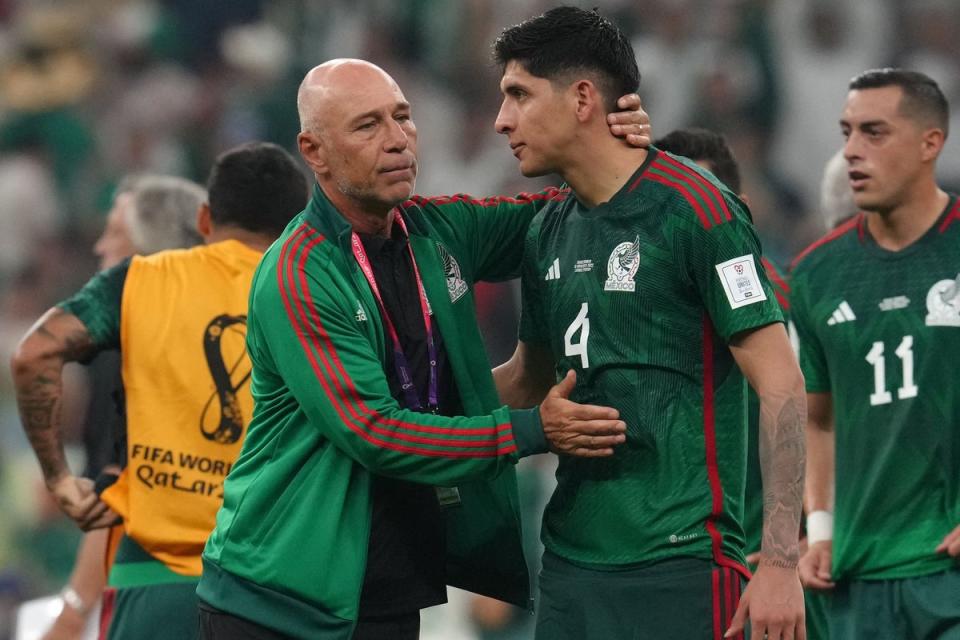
(579, 429)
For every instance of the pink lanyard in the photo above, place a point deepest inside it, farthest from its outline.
(401, 364)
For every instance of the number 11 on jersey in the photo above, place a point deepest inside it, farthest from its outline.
(582, 324)
(875, 358)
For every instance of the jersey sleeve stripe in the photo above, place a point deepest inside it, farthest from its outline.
(551, 193)
(315, 341)
(701, 194)
(697, 207)
(950, 217)
(695, 178)
(843, 229)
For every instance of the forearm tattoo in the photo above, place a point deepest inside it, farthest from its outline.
(56, 339)
(782, 463)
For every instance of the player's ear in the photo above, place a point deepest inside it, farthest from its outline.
(204, 220)
(932, 144)
(589, 101)
(312, 151)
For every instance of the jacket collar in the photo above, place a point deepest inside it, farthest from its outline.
(325, 218)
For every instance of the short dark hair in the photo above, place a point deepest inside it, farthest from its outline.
(704, 145)
(922, 98)
(569, 40)
(256, 186)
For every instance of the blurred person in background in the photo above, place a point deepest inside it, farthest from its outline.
(591, 267)
(178, 319)
(836, 196)
(150, 213)
(876, 303)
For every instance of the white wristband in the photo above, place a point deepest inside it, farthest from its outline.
(819, 527)
(73, 600)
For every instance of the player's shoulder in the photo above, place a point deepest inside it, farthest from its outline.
(949, 223)
(832, 246)
(438, 205)
(688, 193)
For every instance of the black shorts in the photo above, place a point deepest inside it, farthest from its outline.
(680, 599)
(219, 625)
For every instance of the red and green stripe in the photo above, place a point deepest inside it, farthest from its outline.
(370, 425)
(710, 447)
(704, 197)
(551, 193)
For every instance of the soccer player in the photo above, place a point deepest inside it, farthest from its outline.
(647, 284)
(876, 303)
(709, 150)
(178, 318)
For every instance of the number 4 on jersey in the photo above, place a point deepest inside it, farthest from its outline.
(570, 348)
(875, 357)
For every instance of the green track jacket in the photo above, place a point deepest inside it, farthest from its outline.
(290, 544)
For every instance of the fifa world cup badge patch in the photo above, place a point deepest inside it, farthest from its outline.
(456, 286)
(740, 281)
(622, 266)
(943, 304)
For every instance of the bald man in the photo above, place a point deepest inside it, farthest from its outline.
(379, 464)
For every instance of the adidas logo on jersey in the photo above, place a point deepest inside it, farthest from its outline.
(360, 314)
(841, 314)
(553, 273)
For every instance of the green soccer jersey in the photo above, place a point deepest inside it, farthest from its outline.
(880, 331)
(639, 296)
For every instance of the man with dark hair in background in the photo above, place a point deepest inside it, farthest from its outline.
(645, 284)
(178, 319)
(876, 303)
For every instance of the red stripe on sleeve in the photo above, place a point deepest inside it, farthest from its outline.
(718, 205)
(704, 219)
(371, 421)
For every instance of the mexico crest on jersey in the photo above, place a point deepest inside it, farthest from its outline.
(456, 286)
(622, 266)
(943, 303)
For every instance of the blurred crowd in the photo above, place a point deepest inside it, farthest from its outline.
(92, 90)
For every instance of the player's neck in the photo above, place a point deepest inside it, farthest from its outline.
(254, 240)
(900, 226)
(367, 217)
(601, 170)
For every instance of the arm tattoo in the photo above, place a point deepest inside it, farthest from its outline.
(57, 338)
(782, 463)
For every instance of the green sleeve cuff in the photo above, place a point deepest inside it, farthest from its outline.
(528, 432)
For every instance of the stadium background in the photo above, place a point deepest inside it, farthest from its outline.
(91, 90)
